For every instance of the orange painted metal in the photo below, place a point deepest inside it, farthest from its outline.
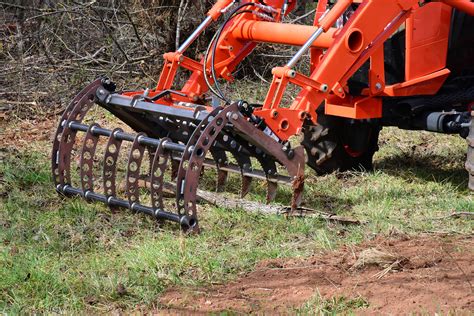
(216, 11)
(285, 34)
(427, 37)
(335, 56)
(354, 107)
(427, 85)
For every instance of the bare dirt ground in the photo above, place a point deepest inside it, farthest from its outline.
(394, 276)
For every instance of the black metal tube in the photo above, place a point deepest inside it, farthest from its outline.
(146, 141)
(184, 221)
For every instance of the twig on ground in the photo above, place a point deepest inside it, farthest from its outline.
(455, 215)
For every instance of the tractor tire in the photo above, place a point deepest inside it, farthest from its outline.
(470, 155)
(330, 144)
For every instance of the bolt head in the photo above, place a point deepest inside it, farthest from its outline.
(378, 86)
(235, 116)
(324, 87)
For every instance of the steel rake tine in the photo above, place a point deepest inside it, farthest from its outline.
(68, 136)
(272, 188)
(246, 185)
(157, 172)
(135, 159)
(88, 150)
(220, 158)
(222, 176)
(111, 156)
(70, 114)
(174, 169)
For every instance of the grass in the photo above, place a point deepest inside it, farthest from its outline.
(334, 306)
(68, 256)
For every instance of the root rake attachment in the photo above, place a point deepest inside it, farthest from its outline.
(192, 135)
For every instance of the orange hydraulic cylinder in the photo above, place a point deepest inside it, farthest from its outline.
(280, 33)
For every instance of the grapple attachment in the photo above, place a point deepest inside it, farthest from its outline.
(186, 137)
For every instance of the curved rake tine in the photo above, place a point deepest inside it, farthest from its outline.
(269, 167)
(174, 169)
(110, 164)
(65, 118)
(220, 158)
(246, 185)
(183, 182)
(207, 138)
(157, 172)
(272, 188)
(243, 161)
(87, 160)
(133, 171)
(68, 136)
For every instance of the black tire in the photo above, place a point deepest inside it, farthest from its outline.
(339, 144)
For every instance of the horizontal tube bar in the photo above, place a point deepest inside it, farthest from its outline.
(280, 33)
(146, 141)
(113, 201)
(128, 104)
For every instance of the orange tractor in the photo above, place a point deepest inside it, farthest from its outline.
(373, 63)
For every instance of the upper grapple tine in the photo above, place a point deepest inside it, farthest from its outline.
(157, 172)
(87, 159)
(111, 156)
(135, 159)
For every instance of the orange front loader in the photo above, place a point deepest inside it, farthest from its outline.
(373, 63)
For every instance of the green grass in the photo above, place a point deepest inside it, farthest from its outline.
(65, 255)
(333, 306)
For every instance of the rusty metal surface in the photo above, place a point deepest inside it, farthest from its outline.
(61, 157)
(86, 166)
(295, 165)
(135, 159)
(157, 173)
(62, 123)
(206, 139)
(111, 156)
(191, 140)
(183, 182)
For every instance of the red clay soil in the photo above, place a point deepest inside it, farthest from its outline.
(428, 275)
